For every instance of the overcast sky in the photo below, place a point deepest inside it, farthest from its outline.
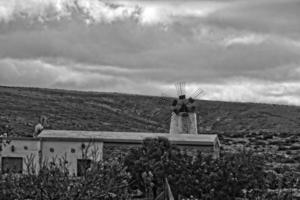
(235, 50)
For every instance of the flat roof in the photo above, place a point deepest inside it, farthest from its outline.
(126, 137)
(20, 138)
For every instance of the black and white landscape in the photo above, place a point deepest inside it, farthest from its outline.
(131, 66)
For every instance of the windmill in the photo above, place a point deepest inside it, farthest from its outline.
(184, 117)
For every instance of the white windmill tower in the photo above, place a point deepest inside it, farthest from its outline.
(184, 116)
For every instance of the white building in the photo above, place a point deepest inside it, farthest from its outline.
(78, 148)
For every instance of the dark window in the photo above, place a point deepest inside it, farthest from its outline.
(82, 166)
(12, 164)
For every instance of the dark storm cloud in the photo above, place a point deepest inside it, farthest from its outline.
(270, 17)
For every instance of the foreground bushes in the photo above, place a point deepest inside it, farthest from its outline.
(232, 176)
(106, 180)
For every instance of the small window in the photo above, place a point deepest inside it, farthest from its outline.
(12, 164)
(82, 166)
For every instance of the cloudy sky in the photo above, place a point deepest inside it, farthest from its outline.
(235, 50)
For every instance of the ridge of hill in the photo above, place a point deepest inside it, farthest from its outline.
(21, 107)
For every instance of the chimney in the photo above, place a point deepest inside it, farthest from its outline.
(40, 126)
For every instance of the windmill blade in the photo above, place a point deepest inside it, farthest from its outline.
(197, 93)
(183, 88)
(180, 88)
(177, 85)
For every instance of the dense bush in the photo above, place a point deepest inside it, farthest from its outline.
(156, 160)
(233, 175)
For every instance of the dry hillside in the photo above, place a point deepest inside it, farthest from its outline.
(21, 108)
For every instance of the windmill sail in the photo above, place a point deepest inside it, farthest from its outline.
(180, 88)
(197, 93)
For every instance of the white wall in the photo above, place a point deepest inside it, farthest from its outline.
(20, 150)
(62, 151)
(183, 125)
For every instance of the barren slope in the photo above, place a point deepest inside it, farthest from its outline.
(21, 108)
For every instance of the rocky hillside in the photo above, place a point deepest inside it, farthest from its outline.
(21, 108)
